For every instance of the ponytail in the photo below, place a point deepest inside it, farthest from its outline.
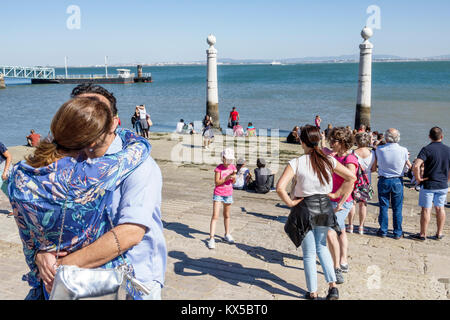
(45, 154)
(321, 165)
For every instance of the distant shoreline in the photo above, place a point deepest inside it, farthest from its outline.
(193, 64)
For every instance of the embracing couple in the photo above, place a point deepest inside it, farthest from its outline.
(86, 175)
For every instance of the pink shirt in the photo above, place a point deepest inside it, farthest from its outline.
(338, 180)
(225, 189)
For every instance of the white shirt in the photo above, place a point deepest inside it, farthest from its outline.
(180, 126)
(308, 183)
(391, 159)
(142, 114)
(367, 163)
(241, 176)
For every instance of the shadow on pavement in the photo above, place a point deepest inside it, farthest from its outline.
(233, 273)
(182, 229)
(281, 219)
(271, 256)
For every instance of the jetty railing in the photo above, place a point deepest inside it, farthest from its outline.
(98, 76)
(27, 72)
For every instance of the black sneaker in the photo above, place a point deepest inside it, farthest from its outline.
(333, 294)
(339, 276)
(309, 297)
(381, 234)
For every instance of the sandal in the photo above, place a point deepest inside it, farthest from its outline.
(438, 237)
(361, 230)
(418, 237)
(349, 228)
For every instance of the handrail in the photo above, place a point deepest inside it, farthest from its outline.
(96, 76)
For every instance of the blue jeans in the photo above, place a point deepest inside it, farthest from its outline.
(138, 127)
(342, 214)
(315, 243)
(390, 190)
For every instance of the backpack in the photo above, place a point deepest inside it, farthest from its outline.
(363, 190)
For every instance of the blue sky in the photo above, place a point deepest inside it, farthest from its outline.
(35, 32)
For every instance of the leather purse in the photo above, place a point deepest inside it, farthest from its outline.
(74, 283)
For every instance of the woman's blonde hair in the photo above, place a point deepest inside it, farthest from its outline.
(76, 125)
(362, 139)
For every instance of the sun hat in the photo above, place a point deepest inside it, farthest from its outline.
(228, 154)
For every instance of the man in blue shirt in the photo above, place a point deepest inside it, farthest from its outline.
(137, 216)
(434, 184)
(391, 159)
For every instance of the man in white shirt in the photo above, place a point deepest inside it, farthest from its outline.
(391, 159)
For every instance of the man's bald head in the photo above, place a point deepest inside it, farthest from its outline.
(392, 135)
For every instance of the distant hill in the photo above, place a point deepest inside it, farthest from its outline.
(326, 59)
(341, 58)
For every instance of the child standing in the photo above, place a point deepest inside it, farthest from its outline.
(224, 177)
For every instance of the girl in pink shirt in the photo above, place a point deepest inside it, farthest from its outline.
(224, 177)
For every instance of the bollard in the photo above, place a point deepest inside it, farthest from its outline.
(212, 95)
(363, 104)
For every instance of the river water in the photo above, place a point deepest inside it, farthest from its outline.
(409, 96)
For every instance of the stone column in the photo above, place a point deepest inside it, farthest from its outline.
(2, 82)
(212, 94)
(364, 100)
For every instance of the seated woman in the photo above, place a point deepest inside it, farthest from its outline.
(251, 130)
(243, 175)
(238, 131)
(56, 180)
(293, 136)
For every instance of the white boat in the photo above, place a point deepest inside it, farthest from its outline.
(275, 63)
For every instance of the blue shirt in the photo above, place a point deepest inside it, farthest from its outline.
(391, 159)
(138, 201)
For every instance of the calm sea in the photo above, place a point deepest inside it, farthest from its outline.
(410, 96)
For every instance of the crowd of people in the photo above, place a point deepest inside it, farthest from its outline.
(141, 121)
(333, 180)
(88, 172)
(207, 129)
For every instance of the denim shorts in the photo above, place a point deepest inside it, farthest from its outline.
(224, 199)
(429, 197)
(343, 213)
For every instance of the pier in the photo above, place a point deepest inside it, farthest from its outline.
(44, 75)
